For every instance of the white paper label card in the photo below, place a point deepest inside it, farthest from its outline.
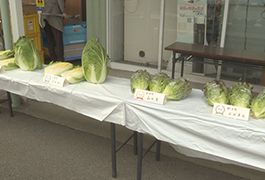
(55, 80)
(149, 96)
(2, 70)
(231, 111)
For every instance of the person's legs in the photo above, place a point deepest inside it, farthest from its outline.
(58, 36)
(49, 34)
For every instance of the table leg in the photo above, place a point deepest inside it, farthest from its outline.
(140, 156)
(158, 145)
(173, 65)
(10, 104)
(113, 150)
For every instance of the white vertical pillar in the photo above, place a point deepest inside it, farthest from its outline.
(223, 34)
(16, 19)
(161, 35)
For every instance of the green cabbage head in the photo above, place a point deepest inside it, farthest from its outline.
(95, 62)
(177, 89)
(159, 82)
(240, 94)
(140, 79)
(215, 92)
(26, 54)
(257, 107)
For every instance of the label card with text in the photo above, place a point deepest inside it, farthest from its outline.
(231, 111)
(149, 96)
(2, 70)
(55, 80)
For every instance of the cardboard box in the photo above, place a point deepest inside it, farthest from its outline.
(29, 9)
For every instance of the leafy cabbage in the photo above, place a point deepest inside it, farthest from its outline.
(8, 64)
(215, 92)
(140, 79)
(159, 82)
(240, 94)
(74, 75)
(95, 62)
(26, 54)
(257, 107)
(6, 54)
(177, 89)
(57, 68)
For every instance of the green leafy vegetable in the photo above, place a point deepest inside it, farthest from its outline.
(57, 68)
(257, 107)
(177, 89)
(215, 92)
(140, 79)
(159, 82)
(240, 94)
(95, 62)
(74, 75)
(6, 54)
(8, 64)
(26, 54)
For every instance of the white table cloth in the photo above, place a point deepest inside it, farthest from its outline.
(104, 102)
(191, 128)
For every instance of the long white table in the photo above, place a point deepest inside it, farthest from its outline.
(187, 124)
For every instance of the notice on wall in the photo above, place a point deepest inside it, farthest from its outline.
(148, 96)
(231, 111)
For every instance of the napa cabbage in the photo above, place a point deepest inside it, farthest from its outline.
(74, 75)
(26, 54)
(95, 62)
(57, 68)
(8, 64)
(6, 54)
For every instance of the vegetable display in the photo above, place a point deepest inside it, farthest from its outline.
(57, 68)
(6, 54)
(26, 54)
(74, 75)
(8, 64)
(95, 62)
(177, 89)
(240, 94)
(140, 79)
(159, 82)
(215, 92)
(257, 107)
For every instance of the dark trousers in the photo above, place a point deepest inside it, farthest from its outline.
(54, 36)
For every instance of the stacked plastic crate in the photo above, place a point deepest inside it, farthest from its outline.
(74, 39)
(32, 30)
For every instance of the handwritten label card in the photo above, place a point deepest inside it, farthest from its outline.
(2, 70)
(149, 96)
(231, 111)
(55, 80)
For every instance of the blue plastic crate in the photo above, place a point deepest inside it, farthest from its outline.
(75, 33)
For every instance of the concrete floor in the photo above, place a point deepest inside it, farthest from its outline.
(45, 141)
